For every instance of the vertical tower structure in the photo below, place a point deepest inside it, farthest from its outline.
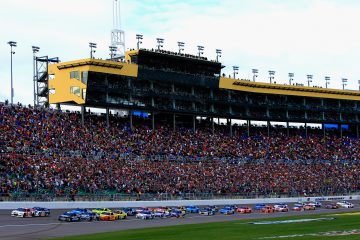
(117, 35)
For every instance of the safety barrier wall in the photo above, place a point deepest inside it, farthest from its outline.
(119, 204)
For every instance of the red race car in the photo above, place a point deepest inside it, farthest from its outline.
(244, 209)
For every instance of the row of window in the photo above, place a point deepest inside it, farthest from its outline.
(76, 75)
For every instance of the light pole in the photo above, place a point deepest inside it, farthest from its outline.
(92, 46)
(255, 74)
(344, 82)
(218, 54)
(327, 81)
(236, 70)
(35, 50)
(309, 79)
(181, 46)
(291, 78)
(271, 76)
(113, 50)
(200, 50)
(12, 44)
(139, 37)
(160, 42)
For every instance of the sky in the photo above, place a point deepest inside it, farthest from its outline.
(318, 37)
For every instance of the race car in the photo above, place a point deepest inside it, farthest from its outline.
(22, 212)
(281, 208)
(183, 209)
(40, 212)
(309, 207)
(120, 214)
(244, 209)
(84, 214)
(331, 206)
(267, 209)
(214, 208)
(298, 207)
(316, 204)
(345, 204)
(177, 213)
(227, 210)
(69, 217)
(159, 214)
(129, 211)
(207, 211)
(192, 209)
(259, 206)
(107, 216)
(100, 210)
(145, 215)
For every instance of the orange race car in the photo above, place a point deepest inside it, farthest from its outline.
(267, 209)
(244, 209)
(107, 216)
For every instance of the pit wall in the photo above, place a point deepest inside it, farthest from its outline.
(119, 204)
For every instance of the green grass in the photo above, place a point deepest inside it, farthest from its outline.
(237, 230)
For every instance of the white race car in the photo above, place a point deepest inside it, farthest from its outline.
(345, 204)
(145, 215)
(281, 208)
(22, 212)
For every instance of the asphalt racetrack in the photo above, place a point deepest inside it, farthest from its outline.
(48, 227)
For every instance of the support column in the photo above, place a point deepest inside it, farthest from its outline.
(153, 121)
(107, 118)
(82, 115)
(323, 127)
(174, 121)
(219, 121)
(340, 129)
(231, 130)
(131, 119)
(287, 129)
(248, 127)
(357, 131)
(268, 128)
(306, 130)
(194, 123)
(213, 125)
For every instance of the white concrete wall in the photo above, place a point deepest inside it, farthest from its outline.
(118, 204)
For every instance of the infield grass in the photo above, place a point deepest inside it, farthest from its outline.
(241, 229)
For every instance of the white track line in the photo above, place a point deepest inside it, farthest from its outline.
(32, 224)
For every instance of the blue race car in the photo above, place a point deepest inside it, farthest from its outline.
(192, 209)
(40, 212)
(84, 214)
(227, 210)
(259, 206)
(129, 211)
(207, 211)
(69, 217)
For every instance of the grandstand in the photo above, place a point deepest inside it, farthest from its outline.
(54, 154)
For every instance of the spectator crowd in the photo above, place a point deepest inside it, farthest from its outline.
(46, 150)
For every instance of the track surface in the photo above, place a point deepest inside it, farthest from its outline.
(40, 228)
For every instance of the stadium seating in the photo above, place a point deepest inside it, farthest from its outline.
(44, 150)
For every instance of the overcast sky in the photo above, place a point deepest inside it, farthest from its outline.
(319, 37)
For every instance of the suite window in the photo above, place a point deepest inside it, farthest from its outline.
(75, 75)
(75, 90)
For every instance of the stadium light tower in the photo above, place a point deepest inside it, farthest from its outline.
(218, 54)
(92, 47)
(35, 50)
(309, 79)
(271, 76)
(139, 39)
(291, 78)
(255, 74)
(12, 45)
(200, 50)
(236, 70)
(181, 46)
(113, 50)
(344, 82)
(327, 81)
(160, 42)
(117, 34)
